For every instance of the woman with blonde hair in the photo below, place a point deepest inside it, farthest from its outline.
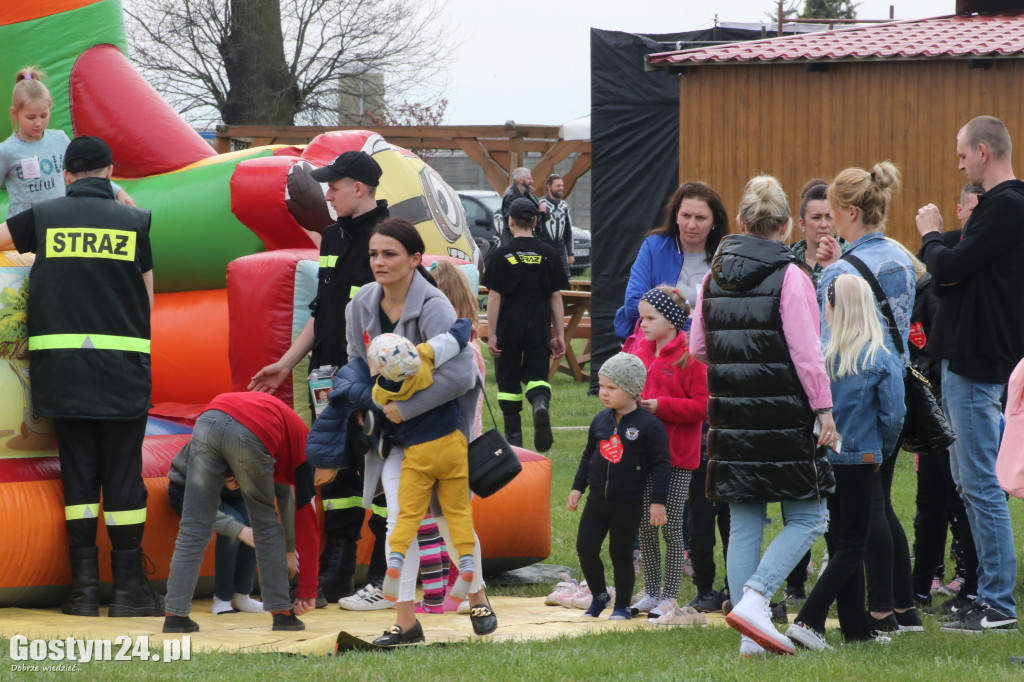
(867, 390)
(860, 202)
(755, 326)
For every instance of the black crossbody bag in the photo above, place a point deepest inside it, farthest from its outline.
(492, 461)
(925, 428)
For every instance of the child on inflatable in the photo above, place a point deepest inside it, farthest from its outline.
(32, 158)
(435, 448)
(626, 446)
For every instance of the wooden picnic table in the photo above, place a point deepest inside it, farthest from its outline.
(576, 326)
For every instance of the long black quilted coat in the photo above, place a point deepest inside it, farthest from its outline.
(760, 443)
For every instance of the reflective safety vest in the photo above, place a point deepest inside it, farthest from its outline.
(88, 309)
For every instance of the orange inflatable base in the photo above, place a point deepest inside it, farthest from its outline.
(514, 526)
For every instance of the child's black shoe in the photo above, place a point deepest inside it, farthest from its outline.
(288, 622)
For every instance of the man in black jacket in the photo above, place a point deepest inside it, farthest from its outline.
(555, 228)
(522, 180)
(89, 342)
(979, 334)
(352, 179)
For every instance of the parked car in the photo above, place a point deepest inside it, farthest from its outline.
(483, 215)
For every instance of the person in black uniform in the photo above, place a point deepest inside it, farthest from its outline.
(352, 179)
(89, 336)
(524, 277)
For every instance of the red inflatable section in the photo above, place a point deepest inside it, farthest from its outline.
(258, 191)
(261, 304)
(189, 352)
(324, 148)
(110, 99)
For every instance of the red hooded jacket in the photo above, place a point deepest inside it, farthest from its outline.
(682, 394)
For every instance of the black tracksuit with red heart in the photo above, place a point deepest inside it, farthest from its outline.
(614, 507)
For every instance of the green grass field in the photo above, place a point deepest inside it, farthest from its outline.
(670, 654)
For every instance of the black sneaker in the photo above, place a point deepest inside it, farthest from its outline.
(952, 608)
(982, 618)
(395, 636)
(884, 626)
(288, 622)
(795, 595)
(179, 624)
(779, 614)
(708, 603)
(909, 621)
(923, 602)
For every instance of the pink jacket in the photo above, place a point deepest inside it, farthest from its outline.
(682, 394)
(799, 309)
(1010, 462)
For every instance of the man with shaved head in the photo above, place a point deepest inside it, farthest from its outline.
(979, 334)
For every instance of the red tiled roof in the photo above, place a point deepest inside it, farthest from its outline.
(952, 36)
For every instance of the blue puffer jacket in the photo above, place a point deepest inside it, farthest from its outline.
(328, 445)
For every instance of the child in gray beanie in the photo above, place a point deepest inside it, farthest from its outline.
(625, 447)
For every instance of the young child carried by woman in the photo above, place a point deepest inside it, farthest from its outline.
(626, 448)
(435, 448)
(32, 158)
(867, 394)
(676, 392)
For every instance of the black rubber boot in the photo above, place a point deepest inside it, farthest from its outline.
(542, 438)
(337, 566)
(85, 583)
(514, 429)
(132, 594)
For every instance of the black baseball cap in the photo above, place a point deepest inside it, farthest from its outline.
(359, 166)
(86, 153)
(522, 209)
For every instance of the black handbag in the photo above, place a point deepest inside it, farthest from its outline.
(925, 428)
(492, 461)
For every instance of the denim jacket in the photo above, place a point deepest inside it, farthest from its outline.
(868, 408)
(895, 273)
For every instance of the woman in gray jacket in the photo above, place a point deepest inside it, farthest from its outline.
(403, 300)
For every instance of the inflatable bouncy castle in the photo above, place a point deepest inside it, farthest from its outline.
(235, 247)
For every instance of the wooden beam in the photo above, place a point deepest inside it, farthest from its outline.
(293, 134)
(558, 151)
(580, 166)
(496, 175)
(515, 151)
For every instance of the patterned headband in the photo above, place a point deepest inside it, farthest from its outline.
(830, 293)
(666, 306)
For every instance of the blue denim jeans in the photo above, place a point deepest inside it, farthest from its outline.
(219, 444)
(805, 523)
(975, 414)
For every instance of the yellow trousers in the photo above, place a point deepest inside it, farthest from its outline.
(443, 462)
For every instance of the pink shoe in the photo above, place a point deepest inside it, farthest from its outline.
(429, 608)
(564, 590)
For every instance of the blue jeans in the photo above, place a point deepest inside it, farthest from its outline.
(974, 412)
(805, 523)
(220, 443)
(235, 561)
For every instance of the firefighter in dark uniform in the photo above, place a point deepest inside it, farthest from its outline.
(524, 277)
(352, 180)
(88, 325)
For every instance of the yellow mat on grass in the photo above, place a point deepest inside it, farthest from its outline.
(518, 619)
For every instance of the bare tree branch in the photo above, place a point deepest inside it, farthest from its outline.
(332, 50)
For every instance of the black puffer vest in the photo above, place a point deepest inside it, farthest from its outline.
(760, 443)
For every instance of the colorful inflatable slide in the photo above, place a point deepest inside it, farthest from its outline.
(235, 240)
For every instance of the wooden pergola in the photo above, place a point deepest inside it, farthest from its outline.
(497, 149)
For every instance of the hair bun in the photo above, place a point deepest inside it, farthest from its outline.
(885, 175)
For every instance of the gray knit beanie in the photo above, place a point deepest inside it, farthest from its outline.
(627, 371)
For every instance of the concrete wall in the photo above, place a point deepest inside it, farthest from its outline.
(461, 172)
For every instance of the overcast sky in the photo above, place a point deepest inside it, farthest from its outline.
(545, 46)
